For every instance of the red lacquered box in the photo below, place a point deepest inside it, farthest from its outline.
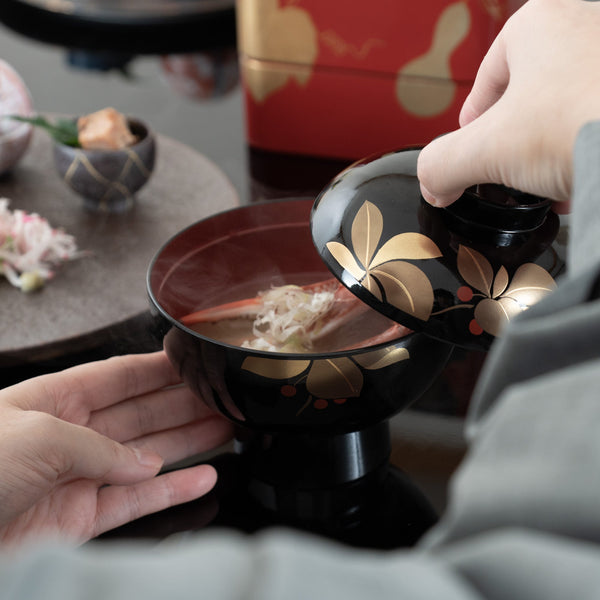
(347, 79)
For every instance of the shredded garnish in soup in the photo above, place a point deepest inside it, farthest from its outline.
(289, 318)
(317, 317)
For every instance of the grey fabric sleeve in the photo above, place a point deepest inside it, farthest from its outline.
(584, 247)
(564, 329)
(534, 457)
(533, 462)
(276, 565)
(516, 565)
(523, 521)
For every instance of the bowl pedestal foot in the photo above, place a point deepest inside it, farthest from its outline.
(339, 486)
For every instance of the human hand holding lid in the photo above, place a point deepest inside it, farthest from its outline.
(535, 89)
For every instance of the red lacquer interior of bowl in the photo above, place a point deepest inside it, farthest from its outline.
(234, 254)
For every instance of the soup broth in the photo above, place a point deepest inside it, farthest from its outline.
(345, 323)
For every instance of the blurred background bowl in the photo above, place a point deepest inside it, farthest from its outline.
(108, 180)
(15, 99)
(13, 145)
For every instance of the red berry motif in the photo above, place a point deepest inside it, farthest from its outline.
(289, 391)
(320, 404)
(475, 328)
(464, 293)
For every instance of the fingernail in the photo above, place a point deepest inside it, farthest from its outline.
(428, 196)
(148, 459)
(438, 201)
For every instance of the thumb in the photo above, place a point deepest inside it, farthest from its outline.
(79, 452)
(455, 161)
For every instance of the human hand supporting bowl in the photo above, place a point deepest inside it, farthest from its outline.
(81, 449)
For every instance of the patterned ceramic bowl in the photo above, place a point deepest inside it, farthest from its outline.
(108, 179)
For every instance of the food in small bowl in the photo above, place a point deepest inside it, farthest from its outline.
(106, 129)
(105, 157)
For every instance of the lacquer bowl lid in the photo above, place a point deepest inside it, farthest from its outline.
(458, 274)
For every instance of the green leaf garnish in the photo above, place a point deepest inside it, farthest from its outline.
(64, 131)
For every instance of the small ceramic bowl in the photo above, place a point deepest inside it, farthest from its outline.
(107, 180)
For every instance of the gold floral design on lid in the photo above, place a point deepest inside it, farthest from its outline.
(503, 297)
(382, 268)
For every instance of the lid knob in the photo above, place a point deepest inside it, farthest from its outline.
(500, 208)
